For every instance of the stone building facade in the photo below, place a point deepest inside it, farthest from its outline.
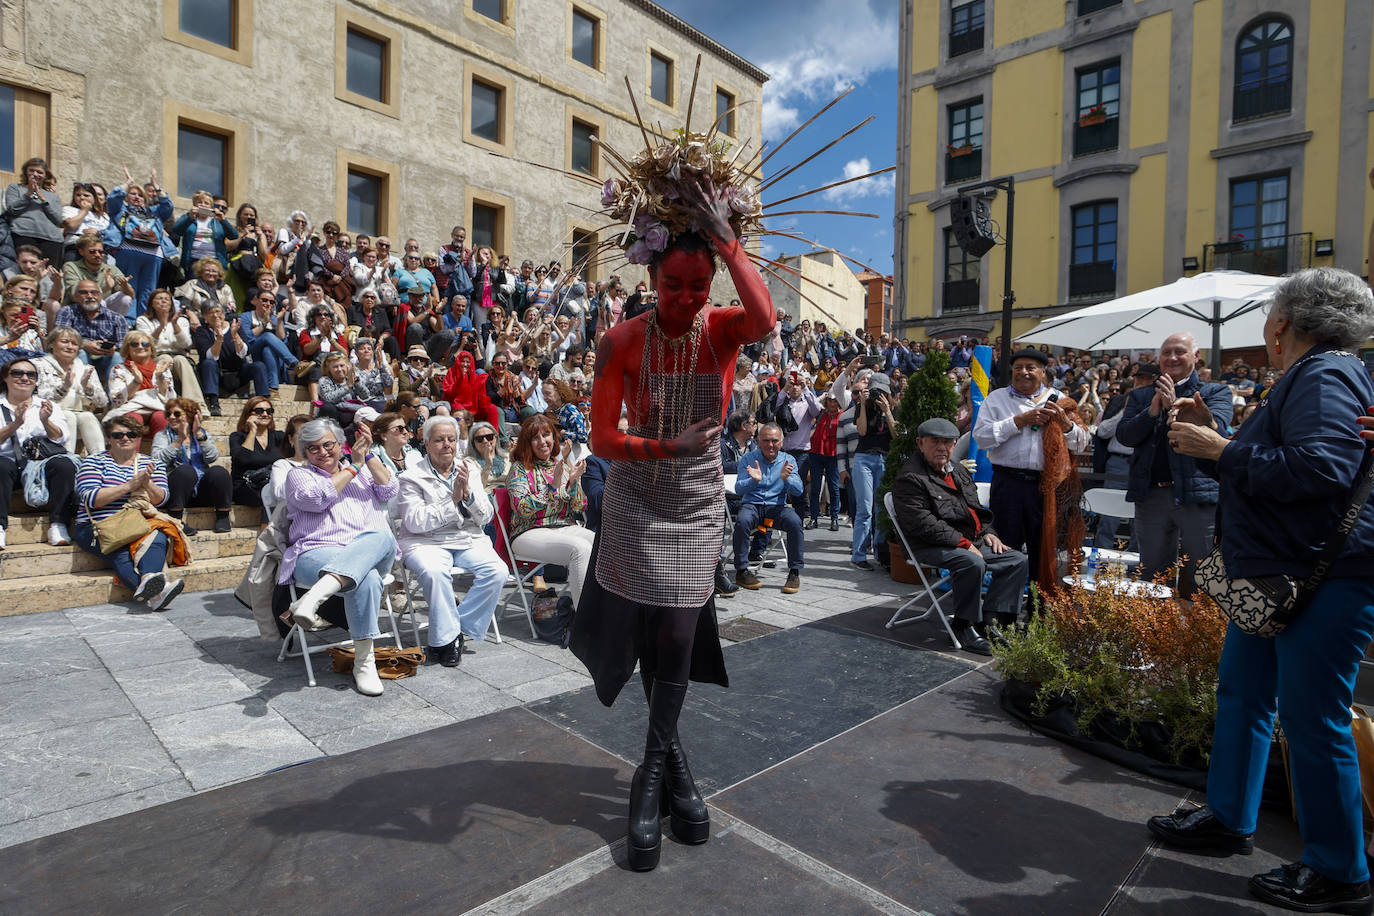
(404, 117)
(837, 297)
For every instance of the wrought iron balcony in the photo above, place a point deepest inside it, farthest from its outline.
(959, 296)
(1094, 280)
(963, 166)
(1262, 100)
(1096, 136)
(1272, 257)
(966, 41)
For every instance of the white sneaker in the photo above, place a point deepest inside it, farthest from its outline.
(163, 598)
(2, 538)
(58, 536)
(149, 585)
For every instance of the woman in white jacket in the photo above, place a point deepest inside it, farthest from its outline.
(442, 508)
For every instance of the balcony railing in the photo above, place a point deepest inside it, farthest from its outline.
(963, 167)
(1272, 257)
(1262, 101)
(1096, 279)
(965, 41)
(1092, 6)
(959, 296)
(1089, 138)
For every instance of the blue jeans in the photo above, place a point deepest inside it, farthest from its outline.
(825, 471)
(363, 562)
(256, 371)
(142, 269)
(866, 469)
(153, 559)
(271, 350)
(784, 517)
(1307, 674)
(433, 566)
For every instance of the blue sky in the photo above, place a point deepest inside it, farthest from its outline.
(813, 49)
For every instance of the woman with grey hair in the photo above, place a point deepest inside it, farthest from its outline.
(1286, 478)
(443, 509)
(339, 539)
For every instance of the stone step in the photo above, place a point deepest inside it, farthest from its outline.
(35, 594)
(29, 560)
(32, 528)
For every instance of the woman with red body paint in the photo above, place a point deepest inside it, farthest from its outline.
(649, 599)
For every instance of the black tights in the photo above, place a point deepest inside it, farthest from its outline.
(673, 631)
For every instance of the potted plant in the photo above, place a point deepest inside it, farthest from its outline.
(929, 393)
(1229, 246)
(957, 151)
(1130, 670)
(1097, 114)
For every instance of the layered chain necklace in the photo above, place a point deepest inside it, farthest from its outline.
(675, 383)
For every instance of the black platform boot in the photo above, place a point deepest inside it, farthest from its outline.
(680, 800)
(645, 832)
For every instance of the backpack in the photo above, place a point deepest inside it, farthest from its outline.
(553, 617)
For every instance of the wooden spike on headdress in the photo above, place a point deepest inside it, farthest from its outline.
(578, 175)
(815, 244)
(774, 179)
(826, 213)
(802, 127)
(827, 187)
(692, 97)
(649, 147)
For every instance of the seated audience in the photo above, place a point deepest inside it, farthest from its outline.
(391, 438)
(29, 421)
(253, 448)
(562, 401)
(320, 338)
(74, 386)
(443, 509)
(485, 449)
(339, 539)
(102, 331)
(171, 334)
(936, 504)
(545, 494)
(274, 494)
(193, 478)
(769, 481)
(206, 286)
(264, 331)
(224, 362)
(142, 384)
(115, 290)
(107, 483)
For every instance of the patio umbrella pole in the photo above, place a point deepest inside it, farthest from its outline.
(1215, 356)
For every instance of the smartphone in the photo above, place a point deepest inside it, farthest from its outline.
(871, 362)
(107, 344)
(1054, 396)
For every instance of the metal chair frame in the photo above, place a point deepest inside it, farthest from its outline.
(927, 587)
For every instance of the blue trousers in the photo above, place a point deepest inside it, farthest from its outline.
(153, 560)
(256, 371)
(142, 269)
(825, 471)
(784, 517)
(866, 470)
(270, 349)
(1307, 675)
(363, 562)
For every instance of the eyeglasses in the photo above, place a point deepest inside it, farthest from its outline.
(123, 436)
(499, 365)
(320, 448)
(485, 438)
(139, 345)
(23, 373)
(263, 411)
(419, 360)
(176, 415)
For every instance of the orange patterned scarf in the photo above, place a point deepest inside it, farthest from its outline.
(1061, 488)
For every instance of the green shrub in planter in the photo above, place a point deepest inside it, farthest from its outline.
(928, 393)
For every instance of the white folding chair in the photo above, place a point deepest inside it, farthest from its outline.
(410, 589)
(928, 588)
(305, 649)
(502, 502)
(1111, 503)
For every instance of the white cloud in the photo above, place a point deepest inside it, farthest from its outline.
(848, 41)
(877, 186)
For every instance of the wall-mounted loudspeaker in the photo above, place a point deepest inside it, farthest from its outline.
(972, 225)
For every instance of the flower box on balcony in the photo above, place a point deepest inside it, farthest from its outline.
(1092, 118)
(1228, 247)
(956, 151)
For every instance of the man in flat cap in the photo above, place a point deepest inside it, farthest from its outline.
(1010, 427)
(936, 504)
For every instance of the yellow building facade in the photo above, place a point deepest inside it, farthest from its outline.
(1148, 139)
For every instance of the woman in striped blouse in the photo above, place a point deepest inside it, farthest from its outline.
(104, 485)
(340, 539)
(545, 492)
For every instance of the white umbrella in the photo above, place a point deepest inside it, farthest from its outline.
(1223, 307)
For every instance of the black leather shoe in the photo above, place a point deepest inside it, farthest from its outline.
(809, 525)
(1198, 828)
(970, 639)
(1297, 887)
(451, 655)
(724, 586)
(834, 524)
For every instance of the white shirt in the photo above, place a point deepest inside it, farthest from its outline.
(33, 426)
(1013, 447)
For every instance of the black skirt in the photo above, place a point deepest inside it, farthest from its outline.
(610, 634)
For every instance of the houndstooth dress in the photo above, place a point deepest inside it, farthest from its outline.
(662, 522)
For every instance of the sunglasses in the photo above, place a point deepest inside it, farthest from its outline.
(263, 411)
(499, 365)
(419, 360)
(485, 437)
(23, 373)
(122, 436)
(397, 429)
(138, 345)
(176, 414)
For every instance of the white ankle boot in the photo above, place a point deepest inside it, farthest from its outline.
(365, 669)
(304, 610)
